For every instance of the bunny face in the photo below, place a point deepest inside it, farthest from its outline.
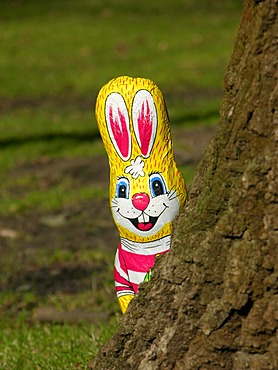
(146, 188)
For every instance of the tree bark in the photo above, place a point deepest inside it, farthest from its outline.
(212, 302)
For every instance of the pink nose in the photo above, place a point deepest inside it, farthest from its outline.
(140, 201)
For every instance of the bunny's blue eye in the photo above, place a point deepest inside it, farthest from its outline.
(122, 188)
(157, 185)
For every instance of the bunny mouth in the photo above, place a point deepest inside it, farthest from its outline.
(143, 222)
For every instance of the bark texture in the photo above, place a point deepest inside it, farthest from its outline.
(212, 302)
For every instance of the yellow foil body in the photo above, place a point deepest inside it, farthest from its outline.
(131, 94)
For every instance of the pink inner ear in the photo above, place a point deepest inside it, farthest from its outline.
(145, 127)
(120, 132)
(144, 119)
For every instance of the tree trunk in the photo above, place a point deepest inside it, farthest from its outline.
(212, 302)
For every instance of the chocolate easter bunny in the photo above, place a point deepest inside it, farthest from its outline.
(146, 188)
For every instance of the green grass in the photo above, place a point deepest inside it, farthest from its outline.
(55, 56)
(50, 199)
(51, 346)
(97, 41)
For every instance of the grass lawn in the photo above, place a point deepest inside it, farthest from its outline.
(57, 238)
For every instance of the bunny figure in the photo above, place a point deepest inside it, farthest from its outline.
(146, 188)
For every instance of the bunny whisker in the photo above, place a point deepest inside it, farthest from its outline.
(173, 196)
(171, 191)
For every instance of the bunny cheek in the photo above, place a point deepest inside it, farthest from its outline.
(160, 211)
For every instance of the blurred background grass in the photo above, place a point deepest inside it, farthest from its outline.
(55, 56)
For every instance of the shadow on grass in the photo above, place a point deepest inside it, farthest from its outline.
(88, 136)
(64, 277)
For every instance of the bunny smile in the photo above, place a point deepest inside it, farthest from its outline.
(144, 222)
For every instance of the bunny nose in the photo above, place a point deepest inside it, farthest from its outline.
(140, 201)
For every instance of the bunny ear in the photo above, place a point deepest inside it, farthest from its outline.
(144, 118)
(117, 121)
